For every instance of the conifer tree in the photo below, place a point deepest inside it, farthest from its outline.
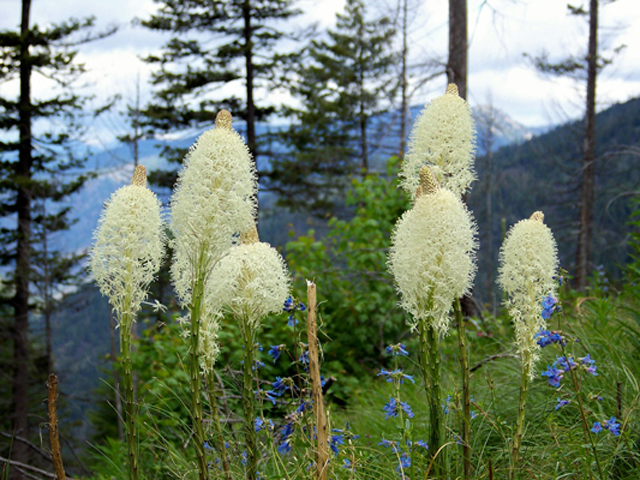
(30, 158)
(193, 68)
(341, 84)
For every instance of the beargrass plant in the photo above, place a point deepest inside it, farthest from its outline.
(128, 250)
(528, 266)
(250, 281)
(214, 201)
(432, 259)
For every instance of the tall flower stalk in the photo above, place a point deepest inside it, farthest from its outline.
(213, 203)
(128, 250)
(432, 259)
(250, 282)
(528, 264)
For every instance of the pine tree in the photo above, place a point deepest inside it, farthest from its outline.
(341, 84)
(192, 68)
(29, 160)
(584, 69)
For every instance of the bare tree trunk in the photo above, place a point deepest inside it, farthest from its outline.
(404, 107)
(248, 56)
(20, 399)
(457, 63)
(585, 233)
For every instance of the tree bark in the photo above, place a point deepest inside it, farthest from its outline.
(248, 56)
(585, 233)
(457, 63)
(20, 329)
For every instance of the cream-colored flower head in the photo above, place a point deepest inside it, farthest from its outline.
(528, 263)
(432, 256)
(129, 245)
(213, 202)
(443, 138)
(208, 346)
(251, 281)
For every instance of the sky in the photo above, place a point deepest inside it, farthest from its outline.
(500, 32)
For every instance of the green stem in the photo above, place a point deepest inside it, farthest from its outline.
(129, 400)
(466, 395)
(588, 436)
(194, 374)
(248, 403)
(217, 426)
(430, 359)
(517, 438)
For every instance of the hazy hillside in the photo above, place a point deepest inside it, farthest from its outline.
(543, 174)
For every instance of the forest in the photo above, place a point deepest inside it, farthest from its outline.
(330, 239)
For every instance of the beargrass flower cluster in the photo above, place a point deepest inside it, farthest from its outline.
(432, 255)
(129, 246)
(443, 139)
(528, 265)
(128, 250)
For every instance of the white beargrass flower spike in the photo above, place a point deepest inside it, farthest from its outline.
(443, 138)
(528, 264)
(432, 256)
(213, 202)
(250, 282)
(129, 245)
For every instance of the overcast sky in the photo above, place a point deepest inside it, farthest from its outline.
(500, 32)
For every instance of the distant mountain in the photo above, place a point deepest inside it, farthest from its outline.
(543, 173)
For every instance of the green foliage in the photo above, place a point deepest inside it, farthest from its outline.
(341, 83)
(358, 302)
(190, 69)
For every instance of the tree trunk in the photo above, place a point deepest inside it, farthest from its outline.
(457, 63)
(585, 233)
(20, 331)
(403, 82)
(248, 56)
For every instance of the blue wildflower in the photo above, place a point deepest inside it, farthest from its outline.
(304, 405)
(597, 428)
(304, 358)
(395, 375)
(289, 304)
(292, 320)
(561, 403)
(389, 443)
(276, 350)
(548, 306)
(269, 395)
(287, 430)
(393, 408)
(554, 375)
(397, 349)
(257, 364)
(423, 444)
(301, 306)
(207, 446)
(244, 458)
(405, 462)
(613, 426)
(284, 447)
(335, 441)
(259, 424)
(473, 414)
(347, 464)
(547, 337)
